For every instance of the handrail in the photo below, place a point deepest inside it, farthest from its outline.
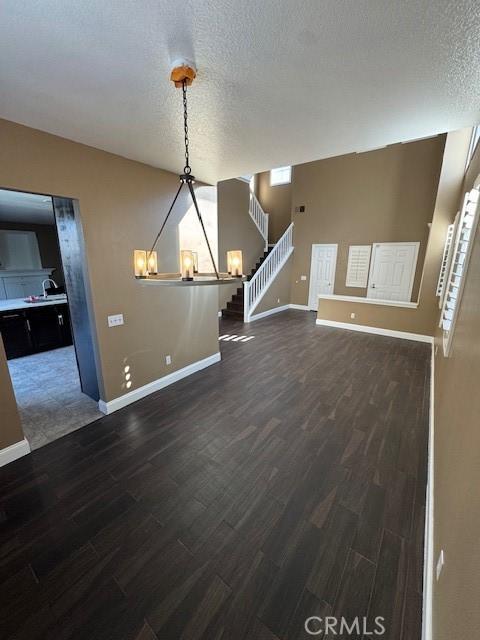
(255, 289)
(259, 217)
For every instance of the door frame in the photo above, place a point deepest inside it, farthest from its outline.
(414, 270)
(314, 246)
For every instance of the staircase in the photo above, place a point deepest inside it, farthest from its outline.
(245, 301)
(235, 308)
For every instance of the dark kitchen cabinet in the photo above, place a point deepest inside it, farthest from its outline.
(44, 328)
(15, 333)
(28, 331)
(63, 317)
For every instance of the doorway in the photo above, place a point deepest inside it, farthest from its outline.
(392, 271)
(44, 318)
(322, 272)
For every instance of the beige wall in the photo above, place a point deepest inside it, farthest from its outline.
(47, 245)
(236, 230)
(277, 202)
(10, 427)
(278, 293)
(386, 195)
(457, 462)
(122, 204)
(424, 319)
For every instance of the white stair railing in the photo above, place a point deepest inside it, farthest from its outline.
(256, 288)
(259, 217)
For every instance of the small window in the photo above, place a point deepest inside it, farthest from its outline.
(459, 265)
(282, 175)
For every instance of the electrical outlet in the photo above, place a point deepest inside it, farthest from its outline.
(278, 300)
(168, 359)
(115, 321)
(352, 315)
(303, 277)
(440, 563)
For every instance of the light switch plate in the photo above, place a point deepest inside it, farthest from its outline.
(352, 316)
(115, 321)
(303, 277)
(168, 359)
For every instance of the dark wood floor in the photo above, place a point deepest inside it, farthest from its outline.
(285, 482)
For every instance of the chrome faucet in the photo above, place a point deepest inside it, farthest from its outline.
(45, 295)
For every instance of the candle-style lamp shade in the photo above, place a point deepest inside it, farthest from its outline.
(186, 264)
(195, 261)
(152, 264)
(140, 263)
(235, 263)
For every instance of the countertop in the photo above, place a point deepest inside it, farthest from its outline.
(13, 304)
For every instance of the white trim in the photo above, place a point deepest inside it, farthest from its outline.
(311, 295)
(14, 451)
(414, 265)
(300, 307)
(387, 303)
(405, 335)
(269, 312)
(428, 556)
(156, 385)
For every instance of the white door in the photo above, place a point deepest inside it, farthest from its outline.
(392, 270)
(322, 272)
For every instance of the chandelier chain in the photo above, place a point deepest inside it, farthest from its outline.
(187, 169)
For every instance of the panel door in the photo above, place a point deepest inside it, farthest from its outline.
(322, 271)
(392, 271)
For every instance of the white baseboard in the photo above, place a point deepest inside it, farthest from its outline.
(300, 307)
(156, 385)
(405, 335)
(428, 558)
(14, 451)
(264, 314)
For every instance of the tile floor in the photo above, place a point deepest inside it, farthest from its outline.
(47, 388)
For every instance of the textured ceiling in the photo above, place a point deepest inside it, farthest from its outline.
(280, 82)
(28, 208)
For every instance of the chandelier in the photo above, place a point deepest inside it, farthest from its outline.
(145, 261)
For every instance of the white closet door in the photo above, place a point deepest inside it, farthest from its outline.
(322, 272)
(392, 271)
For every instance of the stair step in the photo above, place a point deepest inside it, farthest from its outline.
(228, 313)
(237, 308)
